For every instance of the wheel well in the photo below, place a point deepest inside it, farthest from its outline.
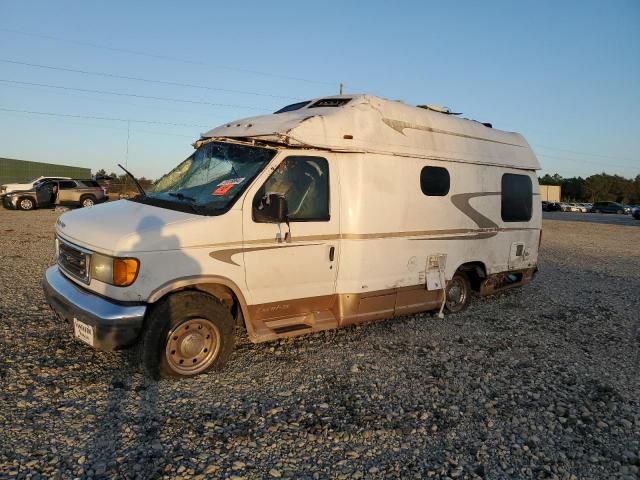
(476, 272)
(224, 295)
(87, 195)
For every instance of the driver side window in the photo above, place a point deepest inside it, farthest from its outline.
(304, 182)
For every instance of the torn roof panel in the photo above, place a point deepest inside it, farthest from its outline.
(373, 124)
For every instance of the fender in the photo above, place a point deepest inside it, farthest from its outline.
(180, 283)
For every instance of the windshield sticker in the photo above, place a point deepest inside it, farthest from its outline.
(226, 185)
(223, 189)
(231, 181)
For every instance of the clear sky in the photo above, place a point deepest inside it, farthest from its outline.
(565, 74)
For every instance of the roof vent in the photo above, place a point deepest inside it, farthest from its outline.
(438, 108)
(330, 102)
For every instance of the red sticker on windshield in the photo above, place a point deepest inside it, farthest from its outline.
(223, 189)
(226, 185)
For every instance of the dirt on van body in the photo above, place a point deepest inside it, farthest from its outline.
(538, 382)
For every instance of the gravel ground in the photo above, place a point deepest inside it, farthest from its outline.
(538, 382)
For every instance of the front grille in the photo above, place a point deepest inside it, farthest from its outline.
(73, 261)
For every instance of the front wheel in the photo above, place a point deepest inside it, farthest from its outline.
(619, 212)
(186, 334)
(25, 204)
(458, 293)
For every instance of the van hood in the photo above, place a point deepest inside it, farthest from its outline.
(124, 226)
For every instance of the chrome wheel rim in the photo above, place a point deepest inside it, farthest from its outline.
(192, 346)
(456, 294)
(87, 202)
(26, 204)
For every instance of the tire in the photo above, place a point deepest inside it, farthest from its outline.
(186, 334)
(88, 201)
(459, 288)
(619, 212)
(25, 203)
(597, 210)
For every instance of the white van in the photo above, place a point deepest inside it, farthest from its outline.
(327, 213)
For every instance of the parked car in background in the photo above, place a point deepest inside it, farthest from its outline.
(635, 212)
(579, 207)
(83, 193)
(14, 187)
(609, 207)
(550, 206)
(568, 207)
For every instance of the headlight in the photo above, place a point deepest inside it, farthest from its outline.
(120, 272)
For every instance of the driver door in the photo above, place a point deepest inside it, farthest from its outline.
(291, 269)
(44, 194)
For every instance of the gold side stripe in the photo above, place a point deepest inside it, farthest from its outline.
(269, 244)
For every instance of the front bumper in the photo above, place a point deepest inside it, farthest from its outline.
(114, 325)
(8, 201)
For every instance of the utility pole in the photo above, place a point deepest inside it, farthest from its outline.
(341, 86)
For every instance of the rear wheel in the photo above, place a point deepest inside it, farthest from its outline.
(619, 212)
(597, 210)
(186, 334)
(25, 204)
(458, 293)
(87, 201)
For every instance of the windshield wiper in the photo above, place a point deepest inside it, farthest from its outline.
(192, 201)
(181, 196)
(144, 194)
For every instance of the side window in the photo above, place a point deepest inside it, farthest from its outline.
(67, 184)
(435, 181)
(304, 182)
(517, 198)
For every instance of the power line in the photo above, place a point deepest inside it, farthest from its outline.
(587, 153)
(148, 80)
(589, 162)
(165, 57)
(134, 95)
(94, 117)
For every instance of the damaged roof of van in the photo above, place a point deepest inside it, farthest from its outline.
(366, 123)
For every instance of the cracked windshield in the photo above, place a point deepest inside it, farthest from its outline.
(213, 176)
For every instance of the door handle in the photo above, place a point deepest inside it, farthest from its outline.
(332, 252)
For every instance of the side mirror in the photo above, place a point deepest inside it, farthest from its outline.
(272, 209)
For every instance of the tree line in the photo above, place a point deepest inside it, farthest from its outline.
(596, 188)
(121, 183)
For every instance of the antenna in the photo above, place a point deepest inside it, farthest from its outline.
(126, 156)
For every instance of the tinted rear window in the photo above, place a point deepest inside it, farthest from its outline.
(90, 183)
(67, 184)
(517, 198)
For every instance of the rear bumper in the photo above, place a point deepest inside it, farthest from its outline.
(114, 325)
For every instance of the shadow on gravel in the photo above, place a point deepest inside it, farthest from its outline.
(127, 436)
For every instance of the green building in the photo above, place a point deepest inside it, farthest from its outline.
(20, 171)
